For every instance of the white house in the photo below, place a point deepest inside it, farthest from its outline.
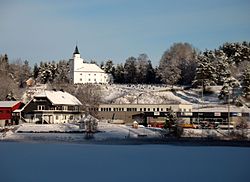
(51, 106)
(82, 72)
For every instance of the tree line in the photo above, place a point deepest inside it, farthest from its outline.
(181, 64)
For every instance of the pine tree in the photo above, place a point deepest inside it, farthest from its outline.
(119, 74)
(130, 70)
(246, 83)
(228, 89)
(62, 72)
(205, 71)
(150, 74)
(35, 71)
(222, 67)
(109, 67)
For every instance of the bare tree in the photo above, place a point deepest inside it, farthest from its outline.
(181, 58)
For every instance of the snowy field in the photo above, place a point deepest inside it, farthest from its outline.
(71, 133)
(26, 162)
(114, 133)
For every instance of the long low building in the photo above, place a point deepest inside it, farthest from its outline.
(125, 112)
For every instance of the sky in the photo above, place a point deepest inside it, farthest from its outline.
(49, 30)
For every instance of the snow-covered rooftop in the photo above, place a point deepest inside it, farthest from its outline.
(59, 97)
(8, 103)
(89, 67)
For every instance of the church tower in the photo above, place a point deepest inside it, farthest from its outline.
(82, 72)
(75, 63)
(76, 53)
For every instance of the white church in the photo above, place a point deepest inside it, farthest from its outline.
(82, 72)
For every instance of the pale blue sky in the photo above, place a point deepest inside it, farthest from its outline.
(116, 29)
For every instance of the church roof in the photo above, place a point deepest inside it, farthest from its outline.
(76, 51)
(89, 67)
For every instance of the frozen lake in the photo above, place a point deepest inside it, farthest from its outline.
(29, 162)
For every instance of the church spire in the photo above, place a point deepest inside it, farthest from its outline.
(76, 50)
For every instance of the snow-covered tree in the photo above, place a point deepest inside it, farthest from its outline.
(228, 89)
(205, 71)
(141, 65)
(47, 72)
(170, 74)
(237, 52)
(222, 67)
(246, 83)
(109, 67)
(62, 72)
(181, 57)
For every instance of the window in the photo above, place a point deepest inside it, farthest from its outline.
(65, 108)
(41, 107)
(56, 117)
(80, 73)
(80, 79)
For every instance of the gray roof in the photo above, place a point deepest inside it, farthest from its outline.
(8, 103)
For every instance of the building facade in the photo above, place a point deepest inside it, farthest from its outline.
(6, 110)
(82, 72)
(52, 107)
(127, 113)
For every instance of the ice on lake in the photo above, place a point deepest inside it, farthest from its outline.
(31, 162)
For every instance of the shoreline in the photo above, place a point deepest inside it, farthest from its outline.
(184, 141)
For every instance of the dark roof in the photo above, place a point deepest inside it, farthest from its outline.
(76, 51)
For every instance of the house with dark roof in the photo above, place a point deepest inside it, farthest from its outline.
(51, 106)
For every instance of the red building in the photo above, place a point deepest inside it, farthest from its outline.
(6, 109)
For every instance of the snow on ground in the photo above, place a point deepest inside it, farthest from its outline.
(142, 94)
(72, 132)
(155, 94)
(64, 127)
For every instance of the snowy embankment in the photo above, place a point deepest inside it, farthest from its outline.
(48, 128)
(72, 133)
(110, 134)
(139, 94)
